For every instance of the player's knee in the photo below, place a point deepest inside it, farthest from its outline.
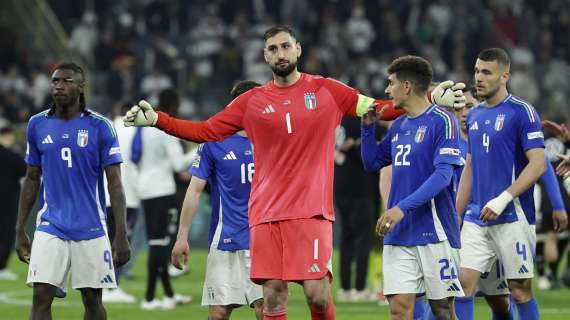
(91, 298)
(318, 302)
(258, 306)
(219, 313)
(521, 290)
(275, 296)
(441, 309)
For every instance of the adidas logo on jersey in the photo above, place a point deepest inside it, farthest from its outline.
(314, 268)
(47, 139)
(454, 288)
(523, 269)
(230, 156)
(268, 109)
(107, 279)
(474, 126)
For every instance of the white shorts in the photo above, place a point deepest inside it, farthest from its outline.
(493, 282)
(512, 243)
(228, 279)
(90, 262)
(431, 269)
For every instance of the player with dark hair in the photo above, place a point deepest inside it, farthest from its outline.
(505, 159)
(291, 122)
(420, 228)
(228, 167)
(69, 149)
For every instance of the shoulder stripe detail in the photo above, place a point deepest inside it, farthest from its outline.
(449, 123)
(527, 107)
(99, 116)
(43, 113)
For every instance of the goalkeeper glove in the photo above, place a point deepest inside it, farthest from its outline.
(449, 94)
(141, 115)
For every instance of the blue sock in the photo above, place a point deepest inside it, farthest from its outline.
(428, 315)
(464, 308)
(419, 309)
(528, 310)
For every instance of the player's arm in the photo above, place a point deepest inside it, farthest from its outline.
(28, 196)
(550, 182)
(120, 245)
(374, 156)
(464, 189)
(531, 173)
(385, 185)
(189, 209)
(221, 125)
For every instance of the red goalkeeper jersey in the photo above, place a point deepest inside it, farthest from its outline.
(292, 130)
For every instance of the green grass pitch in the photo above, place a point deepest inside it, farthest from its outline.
(15, 299)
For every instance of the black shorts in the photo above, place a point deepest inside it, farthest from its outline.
(161, 217)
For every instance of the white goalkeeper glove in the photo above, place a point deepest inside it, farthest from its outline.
(449, 94)
(141, 115)
(495, 207)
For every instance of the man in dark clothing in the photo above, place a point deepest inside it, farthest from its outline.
(12, 169)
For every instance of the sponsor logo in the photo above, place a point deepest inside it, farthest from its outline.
(230, 156)
(474, 126)
(453, 288)
(196, 162)
(268, 109)
(314, 268)
(451, 151)
(395, 138)
(107, 279)
(535, 135)
(114, 150)
(47, 140)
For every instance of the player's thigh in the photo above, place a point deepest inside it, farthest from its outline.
(515, 243)
(440, 266)
(226, 279)
(49, 261)
(401, 271)
(92, 264)
(266, 248)
(477, 251)
(307, 250)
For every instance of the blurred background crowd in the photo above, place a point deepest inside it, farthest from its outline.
(134, 48)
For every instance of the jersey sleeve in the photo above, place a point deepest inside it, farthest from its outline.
(33, 156)
(530, 129)
(109, 150)
(203, 164)
(346, 98)
(446, 139)
(218, 127)
(375, 156)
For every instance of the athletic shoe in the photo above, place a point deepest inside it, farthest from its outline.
(343, 295)
(155, 304)
(117, 296)
(181, 299)
(362, 296)
(543, 283)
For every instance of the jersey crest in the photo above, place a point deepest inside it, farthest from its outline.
(499, 122)
(82, 138)
(420, 134)
(310, 100)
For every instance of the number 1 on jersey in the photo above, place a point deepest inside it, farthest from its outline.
(288, 121)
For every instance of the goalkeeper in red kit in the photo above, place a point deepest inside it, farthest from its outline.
(291, 122)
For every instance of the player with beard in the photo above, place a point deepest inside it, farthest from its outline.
(291, 122)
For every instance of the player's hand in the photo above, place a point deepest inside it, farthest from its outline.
(449, 94)
(372, 115)
(388, 220)
(495, 207)
(563, 167)
(23, 246)
(141, 115)
(121, 250)
(560, 220)
(181, 248)
(560, 131)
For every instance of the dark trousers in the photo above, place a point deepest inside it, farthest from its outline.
(8, 216)
(357, 225)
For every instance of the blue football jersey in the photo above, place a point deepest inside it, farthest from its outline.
(72, 155)
(459, 170)
(499, 138)
(414, 146)
(228, 167)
